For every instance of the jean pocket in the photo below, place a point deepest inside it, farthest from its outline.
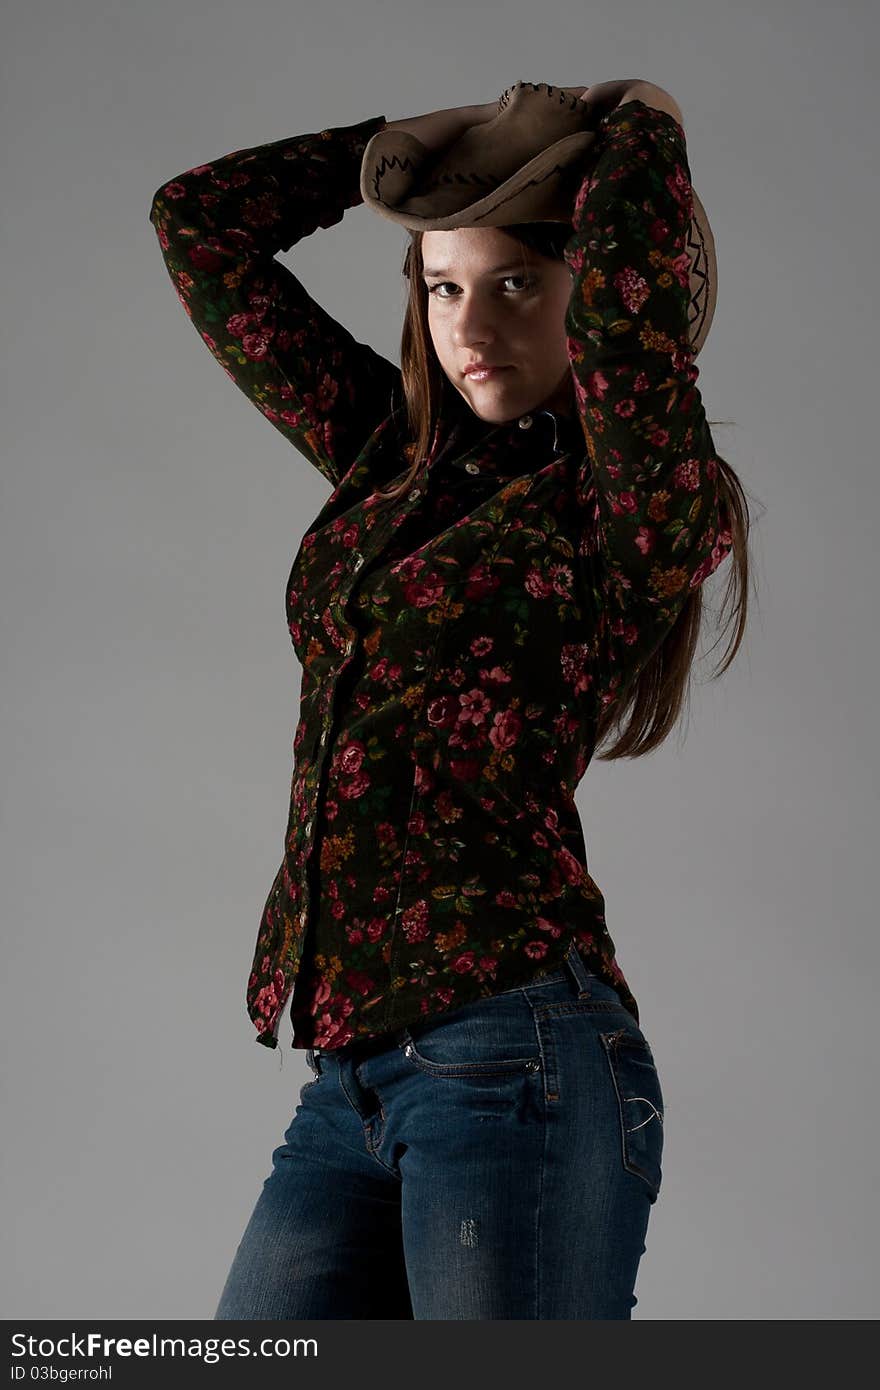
(640, 1104)
(496, 1042)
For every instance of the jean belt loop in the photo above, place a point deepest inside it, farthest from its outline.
(578, 970)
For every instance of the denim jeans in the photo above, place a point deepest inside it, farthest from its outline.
(496, 1161)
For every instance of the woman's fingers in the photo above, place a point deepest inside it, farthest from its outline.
(603, 97)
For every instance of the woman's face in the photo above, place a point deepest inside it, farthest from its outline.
(482, 307)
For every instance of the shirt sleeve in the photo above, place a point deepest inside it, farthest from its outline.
(220, 226)
(659, 526)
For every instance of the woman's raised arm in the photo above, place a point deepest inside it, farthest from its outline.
(220, 226)
(652, 479)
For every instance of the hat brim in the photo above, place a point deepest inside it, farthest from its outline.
(541, 190)
(393, 160)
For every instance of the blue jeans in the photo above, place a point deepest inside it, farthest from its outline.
(496, 1161)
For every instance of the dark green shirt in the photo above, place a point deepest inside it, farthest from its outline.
(459, 645)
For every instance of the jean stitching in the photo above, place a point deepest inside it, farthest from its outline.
(549, 1066)
(498, 1067)
(630, 1163)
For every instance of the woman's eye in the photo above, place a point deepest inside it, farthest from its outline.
(441, 284)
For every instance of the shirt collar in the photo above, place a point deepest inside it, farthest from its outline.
(512, 447)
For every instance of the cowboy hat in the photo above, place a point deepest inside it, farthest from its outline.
(525, 164)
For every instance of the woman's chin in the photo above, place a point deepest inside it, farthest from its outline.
(494, 408)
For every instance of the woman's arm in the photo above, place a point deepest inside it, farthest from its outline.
(603, 97)
(220, 226)
(659, 524)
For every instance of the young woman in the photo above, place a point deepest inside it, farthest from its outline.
(509, 564)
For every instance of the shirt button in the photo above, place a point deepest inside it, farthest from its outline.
(323, 735)
(472, 468)
(414, 495)
(358, 561)
(303, 917)
(525, 422)
(307, 827)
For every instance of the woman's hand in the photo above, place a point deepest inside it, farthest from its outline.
(604, 97)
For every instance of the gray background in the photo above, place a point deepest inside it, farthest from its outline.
(150, 690)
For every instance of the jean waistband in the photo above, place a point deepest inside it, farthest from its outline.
(573, 969)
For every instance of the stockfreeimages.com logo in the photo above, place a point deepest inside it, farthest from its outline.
(94, 1345)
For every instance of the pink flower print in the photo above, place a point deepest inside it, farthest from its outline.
(176, 189)
(376, 928)
(681, 269)
(657, 435)
(625, 503)
(574, 664)
(415, 922)
(645, 540)
(632, 288)
(687, 475)
(423, 593)
(464, 963)
(355, 788)
(506, 729)
(536, 585)
(267, 1000)
(497, 675)
(474, 707)
(596, 385)
(350, 537)
(481, 584)
(562, 579)
(679, 186)
(258, 345)
(573, 871)
(535, 950)
(238, 324)
(628, 631)
(350, 757)
(443, 711)
(260, 303)
(552, 928)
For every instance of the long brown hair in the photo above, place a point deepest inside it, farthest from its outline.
(654, 700)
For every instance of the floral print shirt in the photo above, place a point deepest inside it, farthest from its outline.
(458, 645)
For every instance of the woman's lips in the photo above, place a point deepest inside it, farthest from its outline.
(484, 373)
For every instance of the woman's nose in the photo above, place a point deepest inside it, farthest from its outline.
(474, 325)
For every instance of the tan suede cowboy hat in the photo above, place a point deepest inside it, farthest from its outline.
(523, 165)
